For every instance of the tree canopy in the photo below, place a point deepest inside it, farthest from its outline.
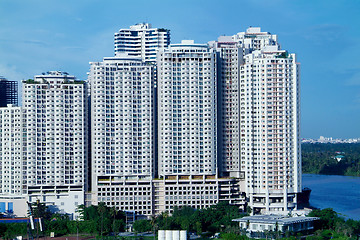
(319, 158)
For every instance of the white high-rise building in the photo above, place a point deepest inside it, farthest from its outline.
(270, 143)
(11, 166)
(259, 119)
(187, 110)
(242, 89)
(122, 122)
(55, 151)
(141, 41)
(231, 51)
(12, 170)
(229, 59)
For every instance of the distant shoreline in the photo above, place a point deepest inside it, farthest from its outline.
(342, 159)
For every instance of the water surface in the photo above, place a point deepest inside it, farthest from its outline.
(341, 193)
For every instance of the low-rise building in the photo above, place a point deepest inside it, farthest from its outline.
(264, 226)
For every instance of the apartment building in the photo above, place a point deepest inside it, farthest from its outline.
(11, 167)
(259, 119)
(187, 114)
(12, 194)
(55, 140)
(229, 59)
(141, 41)
(270, 146)
(122, 122)
(254, 39)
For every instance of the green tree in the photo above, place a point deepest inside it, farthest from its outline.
(40, 210)
(81, 210)
(3, 228)
(142, 225)
(113, 213)
(14, 229)
(101, 210)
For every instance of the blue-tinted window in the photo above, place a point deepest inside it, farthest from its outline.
(10, 207)
(2, 207)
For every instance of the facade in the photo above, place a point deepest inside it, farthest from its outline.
(229, 59)
(187, 103)
(8, 92)
(11, 167)
(122, 122)
(141, 41)
(55, 154)
(270, 142)
(125, 173)
(13, 205)
(12, 194)
(148, 197)
(196, 191)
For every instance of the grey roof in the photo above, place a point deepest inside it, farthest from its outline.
(284, 220)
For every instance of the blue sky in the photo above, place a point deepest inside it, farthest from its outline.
(38, 36)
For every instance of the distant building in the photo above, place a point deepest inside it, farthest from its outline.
(258, 119)
(8, 92)
(229, 59)
(141, 41)
(275, 226)
(339, 157)
(254, 39)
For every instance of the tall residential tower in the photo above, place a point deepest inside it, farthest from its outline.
(270, 122)
(55, 153)
(259, 119)
(12, 170)
(187, 110)
(122, 142)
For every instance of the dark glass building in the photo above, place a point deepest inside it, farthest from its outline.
(8, 92)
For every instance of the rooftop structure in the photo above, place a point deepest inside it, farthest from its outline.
(141, 41)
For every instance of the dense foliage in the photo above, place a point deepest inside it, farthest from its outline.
(97, 220)
(101, 220)
(332, 226)
(213, 219)
(319, 159)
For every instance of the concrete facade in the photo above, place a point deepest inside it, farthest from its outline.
(55, 144)
(187, 110)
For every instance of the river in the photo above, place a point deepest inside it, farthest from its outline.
(341, 193)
